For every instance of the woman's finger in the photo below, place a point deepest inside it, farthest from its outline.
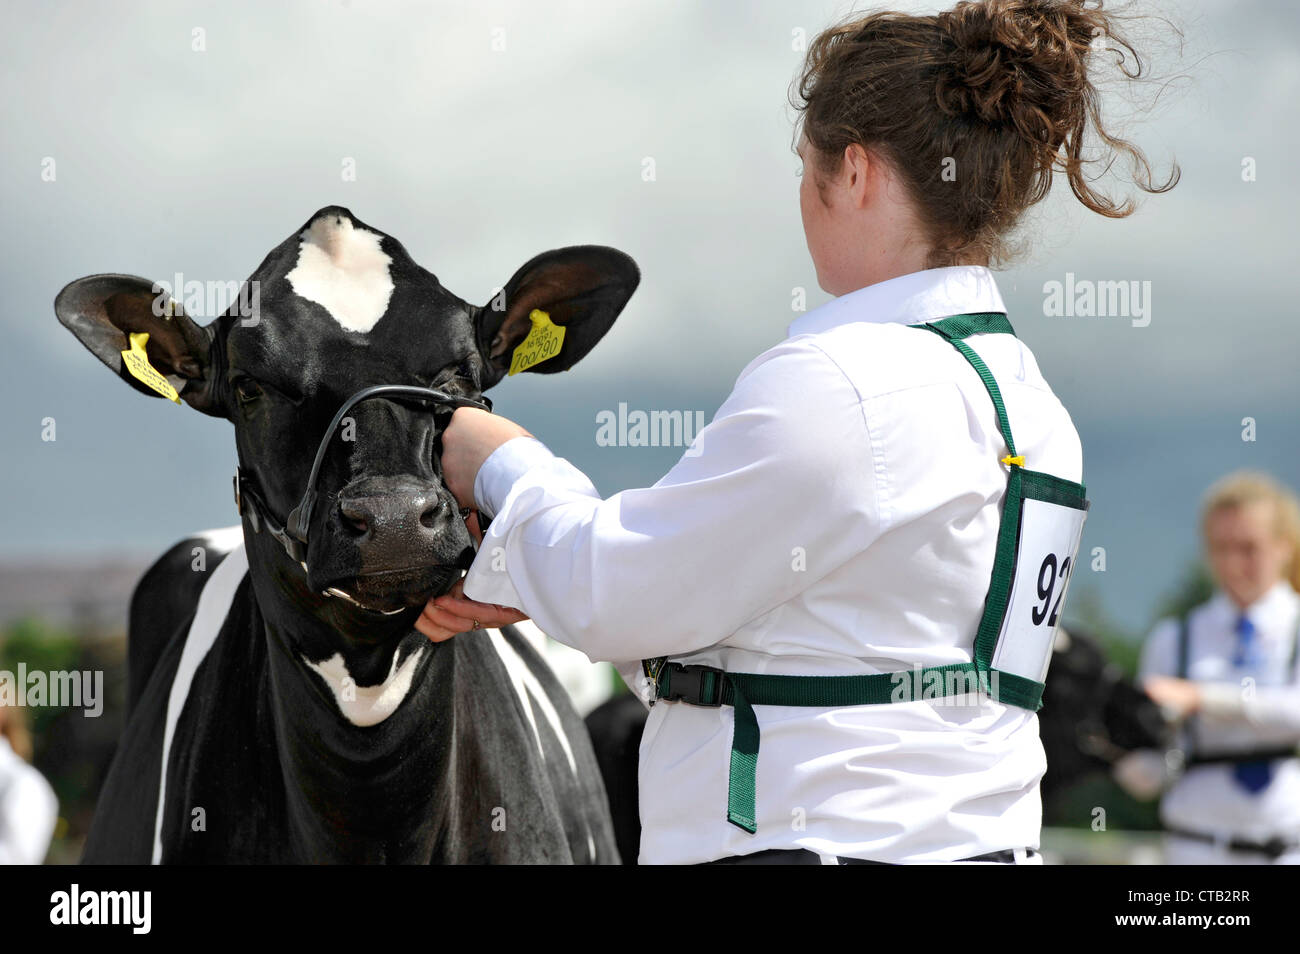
(457, 602)
(488, 614)
(439, 622)
(432, 630)
(447, 619)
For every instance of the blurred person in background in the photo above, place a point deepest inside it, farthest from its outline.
(1228, 671)
(28, 806)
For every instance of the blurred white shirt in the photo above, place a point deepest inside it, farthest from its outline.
(838, 516)
(28, 810)
(1207, 798)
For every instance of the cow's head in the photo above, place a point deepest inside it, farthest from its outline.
(340, 307)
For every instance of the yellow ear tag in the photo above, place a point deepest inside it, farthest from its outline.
(137, 362)
(544, 341)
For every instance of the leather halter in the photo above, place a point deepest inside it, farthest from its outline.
(292, 533)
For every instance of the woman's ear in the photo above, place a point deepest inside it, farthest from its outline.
(581, 289)
(167, 353)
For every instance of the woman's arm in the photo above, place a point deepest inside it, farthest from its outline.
(778, 490)
(1265, 707)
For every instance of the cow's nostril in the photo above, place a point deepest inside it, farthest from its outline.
(355, 517)
(429, 516)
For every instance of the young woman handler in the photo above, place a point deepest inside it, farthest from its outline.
(881, 518)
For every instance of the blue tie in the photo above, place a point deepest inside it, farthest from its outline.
(1247, 653)
(1252, 776)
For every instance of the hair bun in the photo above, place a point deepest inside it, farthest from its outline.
(1016, 62)
(999, 90)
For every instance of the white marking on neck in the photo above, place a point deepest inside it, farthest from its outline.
(529, 691)
(209, 616)
(224, 539)
(367, 705)
(344, 270)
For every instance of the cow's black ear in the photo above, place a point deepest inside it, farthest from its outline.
(582, 288)
(104, 311)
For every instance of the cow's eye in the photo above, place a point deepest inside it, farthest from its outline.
(467, 371)
(246, 390)
(461, 372)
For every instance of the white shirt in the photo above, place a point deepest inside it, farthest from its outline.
(838, 516)
(28, 810)
(1207, 798)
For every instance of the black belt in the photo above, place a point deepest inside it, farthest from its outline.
(802, 856)
(1274, 848)
(1255, 755)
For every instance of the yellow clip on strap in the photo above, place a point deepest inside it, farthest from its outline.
(1018, 460)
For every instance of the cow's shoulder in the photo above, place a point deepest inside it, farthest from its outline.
(520, 647)
(165, 597)
(562, 743)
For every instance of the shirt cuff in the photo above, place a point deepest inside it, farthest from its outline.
(503, 467)
(1222, 700)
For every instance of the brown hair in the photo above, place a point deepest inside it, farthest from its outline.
(1249, 486)
(999, 88)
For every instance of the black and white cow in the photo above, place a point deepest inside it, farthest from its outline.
(282, 706)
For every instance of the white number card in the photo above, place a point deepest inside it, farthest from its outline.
(1047, 547)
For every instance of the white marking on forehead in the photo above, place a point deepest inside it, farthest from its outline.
(344, 270)
(529, 690)
(367, 705)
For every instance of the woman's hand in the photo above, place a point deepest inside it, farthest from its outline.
(453, 613)
(1180, 697)
(470, 439)
(445, 616)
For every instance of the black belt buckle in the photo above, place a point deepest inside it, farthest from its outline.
(686, 684)
(1275, 847)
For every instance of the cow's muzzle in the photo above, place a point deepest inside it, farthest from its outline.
(292, 533)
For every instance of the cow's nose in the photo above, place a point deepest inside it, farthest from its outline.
(386, 524)
(400, 513)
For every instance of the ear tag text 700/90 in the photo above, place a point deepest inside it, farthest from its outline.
(544, 341)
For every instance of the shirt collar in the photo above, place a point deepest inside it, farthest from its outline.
(908, 299)
(1274, 609)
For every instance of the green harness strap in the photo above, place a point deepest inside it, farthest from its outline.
(744, 690)
(706, 686)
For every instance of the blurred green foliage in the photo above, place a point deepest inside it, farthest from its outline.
(39, 646)
(72, 751)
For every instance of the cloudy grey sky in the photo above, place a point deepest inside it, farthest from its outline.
(170, 159)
